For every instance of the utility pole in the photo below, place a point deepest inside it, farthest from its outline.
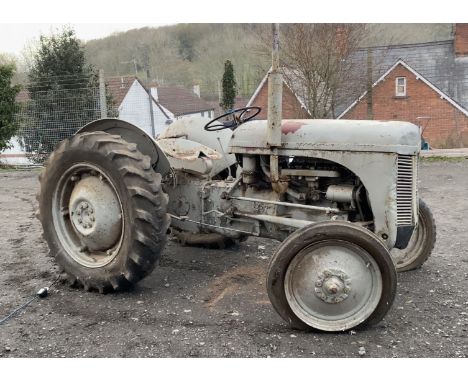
(369, 83)
(134, 62)
(150, 98)
(102, 94)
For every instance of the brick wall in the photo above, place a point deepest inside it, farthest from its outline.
(291, 106)
(461, 40)
(445, 127)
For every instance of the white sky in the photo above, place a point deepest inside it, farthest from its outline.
(24, 33)
(99, 18)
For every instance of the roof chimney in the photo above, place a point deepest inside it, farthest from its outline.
(196, 90)
(461, 40)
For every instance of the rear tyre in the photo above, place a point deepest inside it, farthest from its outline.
(103, 211)
(331, 276)
(421, 243)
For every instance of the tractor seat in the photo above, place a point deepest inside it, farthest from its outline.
(189, 156)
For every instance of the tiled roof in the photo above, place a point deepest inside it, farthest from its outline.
(119, 86)
(177, 100)
(181, 101)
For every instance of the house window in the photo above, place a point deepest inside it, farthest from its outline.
(400, 87)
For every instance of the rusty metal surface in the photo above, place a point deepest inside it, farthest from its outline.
(192, 128)
(327, 210)
(95, 213)
(296, 223)
(187, 150)
(275, 94)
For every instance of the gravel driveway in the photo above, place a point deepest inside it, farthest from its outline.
(213, 303)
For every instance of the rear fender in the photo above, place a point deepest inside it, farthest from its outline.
(133, 134)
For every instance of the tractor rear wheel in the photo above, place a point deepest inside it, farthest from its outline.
(421, 243)
(103, 211)
(331, 276)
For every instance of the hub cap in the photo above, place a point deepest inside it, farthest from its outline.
(333, 285)
(87, 215)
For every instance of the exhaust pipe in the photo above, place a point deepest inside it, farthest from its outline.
(275, 101)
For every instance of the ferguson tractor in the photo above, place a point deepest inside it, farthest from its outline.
(341, 197)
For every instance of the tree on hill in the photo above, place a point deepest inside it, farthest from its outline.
(229, 87)
(63, 90)
(8, 105)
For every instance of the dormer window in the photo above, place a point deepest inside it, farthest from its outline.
(400, 87)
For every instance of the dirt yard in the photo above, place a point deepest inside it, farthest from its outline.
(211, 303)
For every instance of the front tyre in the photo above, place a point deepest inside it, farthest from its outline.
(103, 211)
(331, 276)
(421, 243)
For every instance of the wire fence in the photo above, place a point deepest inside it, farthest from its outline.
(425, 84)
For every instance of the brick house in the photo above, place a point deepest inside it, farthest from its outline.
(402, 93)
(436, 75)
(293, 106)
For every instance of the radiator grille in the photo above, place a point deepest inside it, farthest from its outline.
(406, 189)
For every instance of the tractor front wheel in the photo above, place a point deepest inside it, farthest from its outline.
(331, 276)
(421, 243)
(103, 211)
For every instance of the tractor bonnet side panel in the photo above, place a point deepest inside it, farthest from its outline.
(335, 135)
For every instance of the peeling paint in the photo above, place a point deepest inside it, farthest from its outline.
(289, 126)
(187, 150)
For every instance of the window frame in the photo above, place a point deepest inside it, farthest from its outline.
(397, 93)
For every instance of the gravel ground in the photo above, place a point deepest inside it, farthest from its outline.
(213, 303)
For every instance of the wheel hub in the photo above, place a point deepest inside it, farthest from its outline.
(95, 213)
(332, 286)
(83, 217)
(318, 283)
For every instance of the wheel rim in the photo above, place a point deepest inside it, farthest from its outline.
(405, 257)
(333, 285)
(87, 215)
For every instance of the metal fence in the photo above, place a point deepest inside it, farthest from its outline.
(425, 84)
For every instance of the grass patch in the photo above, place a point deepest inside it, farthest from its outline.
(10, 168)
(442, 159)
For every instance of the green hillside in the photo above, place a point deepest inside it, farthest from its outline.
(188, 54)
(185, 54)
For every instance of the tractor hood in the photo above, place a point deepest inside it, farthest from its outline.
(328, 134)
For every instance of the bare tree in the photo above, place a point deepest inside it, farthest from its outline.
(317, 63)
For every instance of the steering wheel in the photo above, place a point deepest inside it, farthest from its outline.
(235, 122)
